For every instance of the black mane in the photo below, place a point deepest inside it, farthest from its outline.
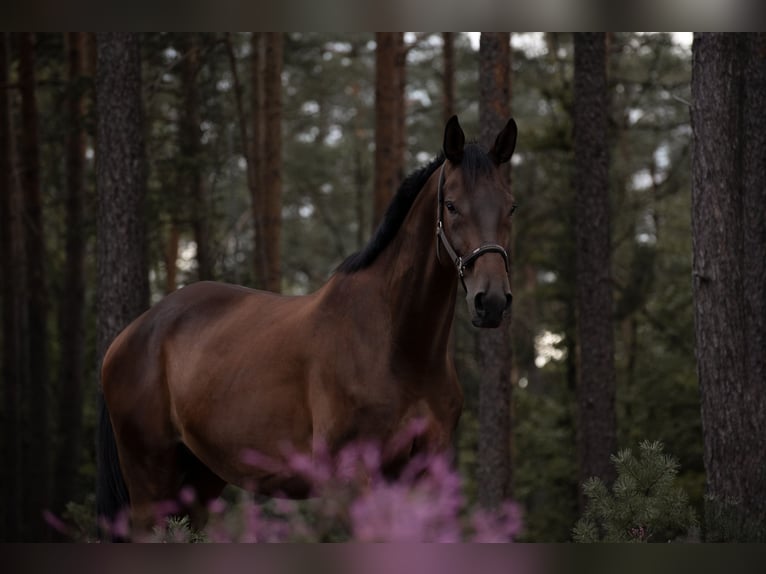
(393, 218)
(475, 161)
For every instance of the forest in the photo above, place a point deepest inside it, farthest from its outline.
(624, 397)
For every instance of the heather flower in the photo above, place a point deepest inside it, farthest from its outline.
(352, 500)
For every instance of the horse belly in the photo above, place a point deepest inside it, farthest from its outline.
(243, 429)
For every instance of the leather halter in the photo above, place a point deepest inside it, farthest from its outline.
(460, 262)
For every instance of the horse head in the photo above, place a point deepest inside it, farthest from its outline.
(474, 212)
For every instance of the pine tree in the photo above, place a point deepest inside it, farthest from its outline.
(643, 505)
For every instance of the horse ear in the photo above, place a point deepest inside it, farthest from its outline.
(454, 140)
(505, 143)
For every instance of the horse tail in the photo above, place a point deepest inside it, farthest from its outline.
(111, 491)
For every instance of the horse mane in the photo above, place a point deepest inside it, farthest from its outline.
(475, 161)
(393, 218)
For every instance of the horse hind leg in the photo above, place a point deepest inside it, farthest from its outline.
(154, 477)
(203, 483)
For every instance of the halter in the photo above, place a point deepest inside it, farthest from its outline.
(461, 263)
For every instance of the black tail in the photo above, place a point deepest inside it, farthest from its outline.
(111, 492)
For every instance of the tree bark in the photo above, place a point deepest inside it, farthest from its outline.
(15, 366)
(122, 271)
(729, 278)
(190, 147)
(36, 451)
(597, 426)
(123, 287)
(257, 73)
(449, 74)
(595, 365)
(400, 79)
(272, 185)
(386, 111)
(495, 359)
(72, 311)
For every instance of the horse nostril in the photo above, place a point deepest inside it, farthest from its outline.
(478, 302)
(508, 300)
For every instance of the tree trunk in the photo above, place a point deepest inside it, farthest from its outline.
(386, 111)
(72, 311)
(449, 74)
(257, 73)
(272, 188)
(400, 78)
(495, 360)
(597, 426)
(36, 450)
(15, 366)
(190, 147)
(122, 276)
(729, 277)
(123, 287)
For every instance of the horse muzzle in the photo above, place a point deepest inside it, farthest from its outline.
(488, 308)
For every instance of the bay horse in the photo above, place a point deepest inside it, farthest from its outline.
(213, 369)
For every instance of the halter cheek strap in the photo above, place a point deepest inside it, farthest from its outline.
(461, 264)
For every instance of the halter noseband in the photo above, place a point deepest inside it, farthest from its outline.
(460, 263)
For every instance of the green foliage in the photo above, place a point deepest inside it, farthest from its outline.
(178, 529)
(81, 518)
(644, 504)
(544, 449)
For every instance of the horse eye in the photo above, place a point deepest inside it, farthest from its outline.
(450, 207)
(513, 208)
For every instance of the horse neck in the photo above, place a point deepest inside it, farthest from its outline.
(420, 290)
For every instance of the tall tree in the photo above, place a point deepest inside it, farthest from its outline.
(15, 367)
(494, 345)
(729, 277)
(36, 451)
(386, 112)
(448, 39)
(400, 126)
(190, 147)
(272, 160)
(72, 308)
(122, 276)
(597, 423)
(257, 144)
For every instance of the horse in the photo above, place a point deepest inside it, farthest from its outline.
(213, 370)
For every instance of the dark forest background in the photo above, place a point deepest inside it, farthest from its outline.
(265, 159)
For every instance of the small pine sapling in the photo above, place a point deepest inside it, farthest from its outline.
(643, 505)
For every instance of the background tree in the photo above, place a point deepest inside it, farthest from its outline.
(35, 402)
(15, 367)
(272, 161)
(449, 75)
(494, 345)
(257, 150)
(72, 310)
(597, 425)
(729, 279)
(387, 109)
(190, 150)
(123, 288)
